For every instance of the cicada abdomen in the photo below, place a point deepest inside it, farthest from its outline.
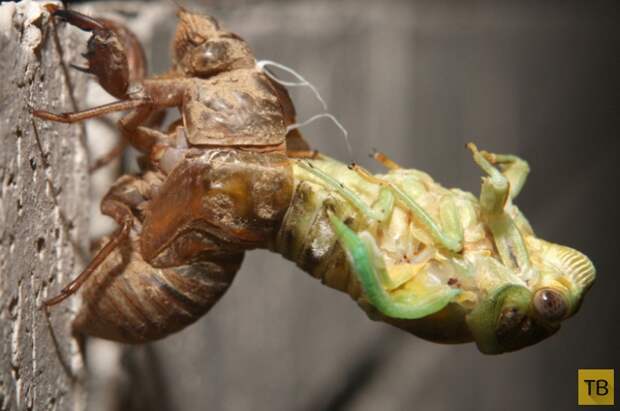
(129, 300)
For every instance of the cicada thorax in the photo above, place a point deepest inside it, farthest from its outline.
(236, 108)
(235, 196)
(230, 102)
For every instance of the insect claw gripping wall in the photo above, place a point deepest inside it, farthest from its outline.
(229, 176)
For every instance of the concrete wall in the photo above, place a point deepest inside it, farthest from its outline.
(43, 213)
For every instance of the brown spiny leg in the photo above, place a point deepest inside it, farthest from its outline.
(121, 212)
(136, 59)
(94, 112)
(116, 58)
(73, 286)
(158, 93)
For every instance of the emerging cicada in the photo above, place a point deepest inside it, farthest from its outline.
(438, 263)
(229, 176)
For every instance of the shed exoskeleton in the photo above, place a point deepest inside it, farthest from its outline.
(229, 176)
(214, 185)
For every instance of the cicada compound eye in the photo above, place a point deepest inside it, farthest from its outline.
(550, 305)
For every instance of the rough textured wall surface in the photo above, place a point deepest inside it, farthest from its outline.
(43, 213)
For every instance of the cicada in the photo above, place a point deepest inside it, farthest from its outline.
(232, 175)
(439, 263)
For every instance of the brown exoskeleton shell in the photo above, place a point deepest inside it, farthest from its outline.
(129, 300)
(238, 108)
(233, 196)
(217, 183)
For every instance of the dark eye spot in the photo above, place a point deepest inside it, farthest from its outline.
(211, 55)
(550, 304)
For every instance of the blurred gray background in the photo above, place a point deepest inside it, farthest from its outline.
(416, 80)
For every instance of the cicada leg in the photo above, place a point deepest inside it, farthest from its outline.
(449, 237)
(379, 211)
(369, 267)
(385, 161)
(116, 206)
(494, 194)
(515, 169)
(71, 288)
(114, 54)
(116, 58)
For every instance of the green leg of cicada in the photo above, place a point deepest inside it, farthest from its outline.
(384, 205)
(512, 167)
(368, 265)
(494, 194)
(380, 210)
(449, 236)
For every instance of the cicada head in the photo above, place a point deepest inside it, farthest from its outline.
(565, 275)
(518, 315)
(201, 49)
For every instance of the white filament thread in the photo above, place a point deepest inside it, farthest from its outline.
(302, 82)
(330, 116)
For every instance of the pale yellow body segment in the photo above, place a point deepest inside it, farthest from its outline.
(412, 262)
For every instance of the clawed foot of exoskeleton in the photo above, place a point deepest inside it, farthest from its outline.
(116, 58)
(106, 51)
(110, 50)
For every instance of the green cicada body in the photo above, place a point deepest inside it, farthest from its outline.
(437, 262)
